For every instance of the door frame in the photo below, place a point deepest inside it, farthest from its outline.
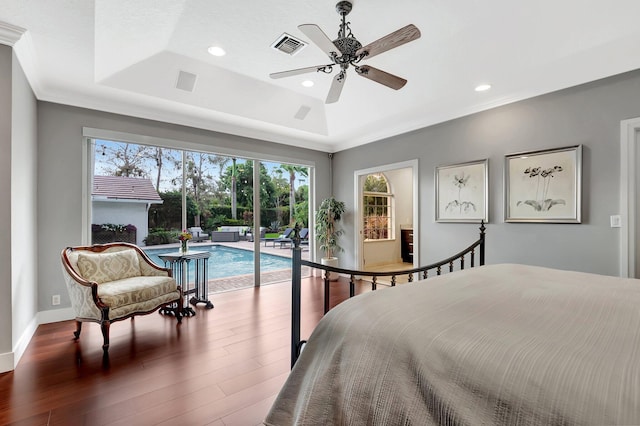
(629, 140)
(359, 221)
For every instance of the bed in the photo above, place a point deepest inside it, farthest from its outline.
(494, 344)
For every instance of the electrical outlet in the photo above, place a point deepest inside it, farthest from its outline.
(55, 299)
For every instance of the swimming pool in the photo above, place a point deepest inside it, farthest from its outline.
(228, 261)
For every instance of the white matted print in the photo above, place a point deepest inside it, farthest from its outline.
(462, 192)
(544, 186)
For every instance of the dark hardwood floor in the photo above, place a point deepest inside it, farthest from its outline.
(223, 366)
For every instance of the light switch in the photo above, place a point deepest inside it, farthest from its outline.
(615, 221)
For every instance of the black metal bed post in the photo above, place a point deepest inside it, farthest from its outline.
(296, 277)
(482, 240)
(327, 290)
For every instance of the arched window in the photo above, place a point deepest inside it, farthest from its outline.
(378, 214)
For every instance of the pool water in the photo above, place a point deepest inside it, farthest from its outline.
(228, 261)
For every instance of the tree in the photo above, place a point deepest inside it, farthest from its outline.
(158, 155)
(199, 182)
(375, 183)
(218, 191)
(244, 182)
(125, 159)
(281, 193)
(292, 170)
(234, 191)
(168, 215)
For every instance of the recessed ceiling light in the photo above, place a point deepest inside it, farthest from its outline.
(308, 83)
(216, 51)
(483, 87)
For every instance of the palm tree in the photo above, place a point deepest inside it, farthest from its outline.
(234, 191)
(292, 170)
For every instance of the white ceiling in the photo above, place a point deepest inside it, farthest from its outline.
(124, 56)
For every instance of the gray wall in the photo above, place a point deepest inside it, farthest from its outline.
(24, 208)
(60, 175)
(5, 207)
(18, 234)
(589, 114)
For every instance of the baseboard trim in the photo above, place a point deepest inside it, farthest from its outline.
(6, 362)
(55, 315)
(23, 342)
(9, 360)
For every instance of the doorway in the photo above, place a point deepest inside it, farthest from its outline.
(629, 187)
(402, 179)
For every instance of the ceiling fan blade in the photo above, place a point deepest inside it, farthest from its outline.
(321, 40)
(317, 68)
(336, 88)
(395, 39)
(381, 77)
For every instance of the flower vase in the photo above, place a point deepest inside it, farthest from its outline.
(184, 247)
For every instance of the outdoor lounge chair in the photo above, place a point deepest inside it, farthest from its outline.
(284, 238)
(287, 237)
(197, 234)
(263, 232)
(304, 236)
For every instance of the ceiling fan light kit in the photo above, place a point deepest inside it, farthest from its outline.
(347, 51)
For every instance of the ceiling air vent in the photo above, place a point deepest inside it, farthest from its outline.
(288, 44)
(302, 112)
(186, 81)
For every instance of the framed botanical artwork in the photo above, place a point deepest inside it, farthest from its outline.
(544, 186)
(462, 192)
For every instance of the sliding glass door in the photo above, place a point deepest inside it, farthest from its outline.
(239, 209)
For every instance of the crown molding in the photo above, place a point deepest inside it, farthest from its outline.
(10, 34)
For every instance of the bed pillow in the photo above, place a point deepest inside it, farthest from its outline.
(104, 267)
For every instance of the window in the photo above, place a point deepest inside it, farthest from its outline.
(377, 211)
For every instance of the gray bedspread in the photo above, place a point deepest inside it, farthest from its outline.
(500, 344)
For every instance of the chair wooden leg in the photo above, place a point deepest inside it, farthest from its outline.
(78, 330)
(177, 311)
(105, 334)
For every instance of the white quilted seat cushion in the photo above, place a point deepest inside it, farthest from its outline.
(134, 290)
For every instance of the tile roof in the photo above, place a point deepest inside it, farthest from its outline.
(119, 187)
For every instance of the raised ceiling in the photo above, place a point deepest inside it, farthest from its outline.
(126, 56)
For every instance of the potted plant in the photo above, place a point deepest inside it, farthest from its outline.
(327, 231)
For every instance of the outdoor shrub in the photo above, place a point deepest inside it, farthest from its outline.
(247, 217)
(156, 237)
(233, 222)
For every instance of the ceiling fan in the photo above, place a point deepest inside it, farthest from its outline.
(347, 50)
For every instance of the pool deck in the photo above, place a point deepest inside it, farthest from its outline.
(237, 282)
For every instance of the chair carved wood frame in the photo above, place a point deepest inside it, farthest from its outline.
(90, 304)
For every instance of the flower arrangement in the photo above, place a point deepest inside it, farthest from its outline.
(184, 237)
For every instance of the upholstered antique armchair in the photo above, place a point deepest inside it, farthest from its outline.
(115, 281)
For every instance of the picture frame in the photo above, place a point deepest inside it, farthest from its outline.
(544, 186)
(462, 192)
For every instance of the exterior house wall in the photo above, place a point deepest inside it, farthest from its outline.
(588, 114)
(123, 213)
